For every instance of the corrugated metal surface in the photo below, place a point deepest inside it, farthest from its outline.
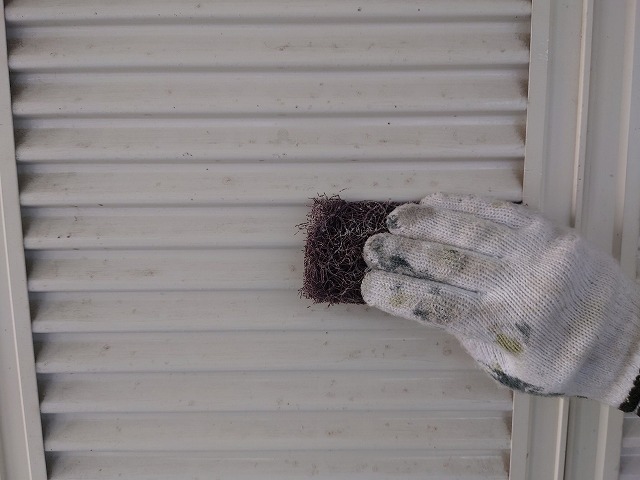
(166, 153)
(630, 454)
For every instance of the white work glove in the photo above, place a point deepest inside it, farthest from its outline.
(537, 307)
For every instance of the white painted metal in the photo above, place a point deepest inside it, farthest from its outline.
(286, 465)
(185, 185)
(248, 351)
(21, 452)
(302, 93)
(195, 311)
(279, 391)
(257, 431)
(166, 152)
(221, 47)
(605, 206)
(604, 196)
(38, 12)
(292, 140)
(630, 145)
(540, 424)
(629, 253)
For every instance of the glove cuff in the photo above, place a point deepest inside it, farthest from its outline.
(633, 397)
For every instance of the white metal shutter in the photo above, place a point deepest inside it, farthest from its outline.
(166, 152)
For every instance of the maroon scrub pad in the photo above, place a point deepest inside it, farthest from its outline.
(336, 233)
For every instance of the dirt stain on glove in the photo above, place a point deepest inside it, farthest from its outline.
(509, 344)
(525, 329)
(398, 300)
(515, 383)
(454, 259)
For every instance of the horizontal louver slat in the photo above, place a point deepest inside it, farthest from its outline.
(157, 270)
(231, 351)
(277, 430)
(270, 465)
(303, 140)
(271, 391)
(267, 94)
(181, 311)
(269, 48)
(162, 228)
(262, 184)
(166, 154)
(35, 12)
(629, 464)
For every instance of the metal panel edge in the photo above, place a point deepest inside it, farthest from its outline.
(630, 221)
(21, 450)
(540, 424)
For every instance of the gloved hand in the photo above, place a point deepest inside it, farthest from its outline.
(536, 306)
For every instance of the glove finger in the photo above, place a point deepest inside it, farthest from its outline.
(499, 211)
(431, 261)
(458, 229)
(416, 299)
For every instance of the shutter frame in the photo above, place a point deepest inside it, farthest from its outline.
(21, 444)
(630, 218)
(540, 424)
(603, 169)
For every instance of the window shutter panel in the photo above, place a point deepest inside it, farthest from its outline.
(166, 152)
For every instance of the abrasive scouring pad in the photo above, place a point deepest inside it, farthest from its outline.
(336, 233)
